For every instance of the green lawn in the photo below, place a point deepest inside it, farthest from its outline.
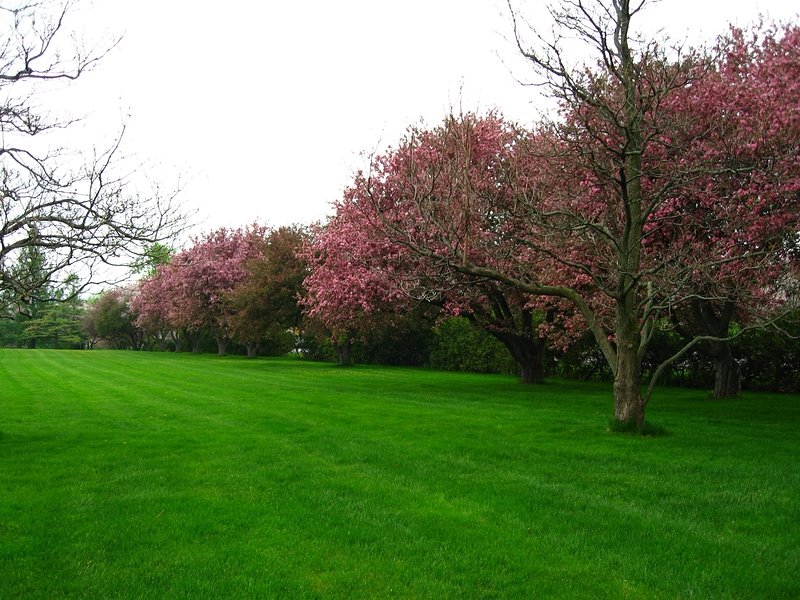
(146, 475)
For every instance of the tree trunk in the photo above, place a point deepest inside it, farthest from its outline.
(222, 345)
(703, 317)
(136, 341)
(628, 400)
(628, 403)
(527, 352)
(727, 379)
(531, 373)
(252, 350)
(344, 351)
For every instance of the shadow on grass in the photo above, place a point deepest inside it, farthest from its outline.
(647, 429)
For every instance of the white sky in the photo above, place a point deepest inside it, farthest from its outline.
(263, 108)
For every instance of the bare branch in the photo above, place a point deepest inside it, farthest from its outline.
(81, 217)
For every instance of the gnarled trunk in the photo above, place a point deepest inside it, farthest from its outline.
(513, 326)
(527, 352)
(727, 377)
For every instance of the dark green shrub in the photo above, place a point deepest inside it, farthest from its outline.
(459, 346)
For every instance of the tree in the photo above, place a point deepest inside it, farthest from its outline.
(29, 293)
(109, 317)
(358, 272)
(152, 305)
(648, 190)
(83, 215)
(154, 256)
(343, 291)
(744, 128)
(192, 294)
(266, 302)
(29, 286)
(508, 317)
(56, 323)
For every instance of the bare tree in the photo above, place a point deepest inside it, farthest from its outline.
(83, 215)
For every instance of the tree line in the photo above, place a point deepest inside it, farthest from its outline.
(245, 291)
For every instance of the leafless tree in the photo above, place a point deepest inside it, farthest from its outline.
(80, 214)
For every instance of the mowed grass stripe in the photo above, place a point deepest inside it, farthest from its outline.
(162, 475)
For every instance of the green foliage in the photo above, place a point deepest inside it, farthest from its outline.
(278, 342)
(384, 339)
(37, 311)
(459, 346)
(198, 476)
(314, 342)
(10, 332)
(29, 285)
(771, 357)
(154, 256)
(109, 317)
(58, 325)
(264, 306)
(401, 340)
(584, 361)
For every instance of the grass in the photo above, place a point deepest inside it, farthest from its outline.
(145, 475)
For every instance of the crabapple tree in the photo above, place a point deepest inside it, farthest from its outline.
(359, 270)
(662, 181)
(191, 294)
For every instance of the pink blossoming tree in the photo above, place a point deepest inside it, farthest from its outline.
(192, 293)
(666, 181)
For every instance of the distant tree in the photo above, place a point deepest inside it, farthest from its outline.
(343, 293)
(28, 293)
(192, 293)
(89, 323)
(151, 304)
(266, 302)
(83, 215)
(57, 323)
(28, 285)
(154, 256)
(110, 317)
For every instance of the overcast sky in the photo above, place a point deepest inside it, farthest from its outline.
(263, 109)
